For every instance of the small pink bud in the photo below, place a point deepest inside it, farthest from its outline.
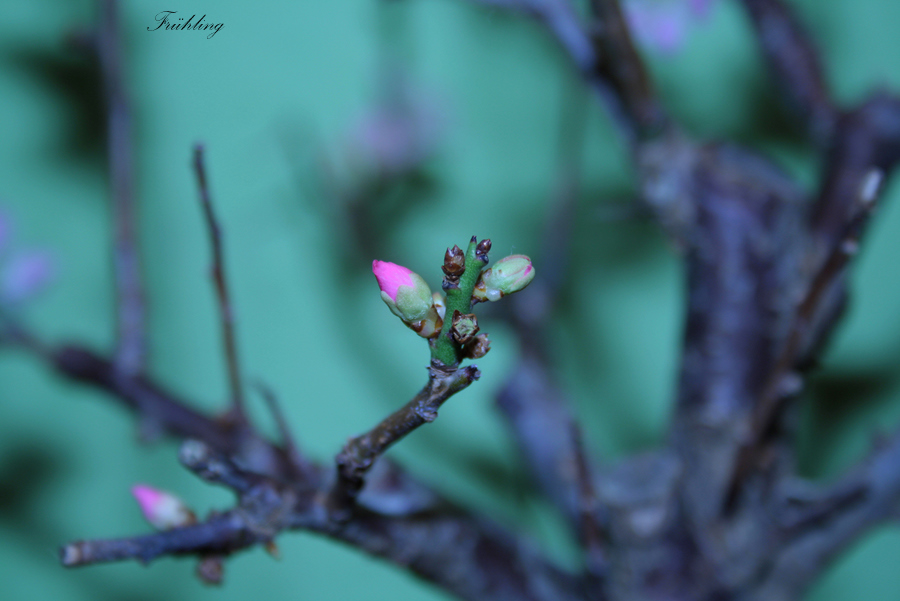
(162, 509)
(391, 277)
(408, 297)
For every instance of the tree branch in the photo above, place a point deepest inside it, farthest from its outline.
(131, 346)
(226, 313)
(360, 453)
(863, 497)
(794, 63)
(604, 56)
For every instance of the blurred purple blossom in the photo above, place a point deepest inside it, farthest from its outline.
(25, 274)
(664, 25)
(397, 134)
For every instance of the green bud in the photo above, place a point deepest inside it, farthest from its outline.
(509, 274)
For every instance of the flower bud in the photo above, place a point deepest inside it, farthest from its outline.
(478, 347)
(509, 274)
(408, 297)
(454, 263)
(162, 509)
(464, 327)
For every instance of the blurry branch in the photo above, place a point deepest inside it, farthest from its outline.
(865, 496)
(131, 345)
(619, 63)
(226, 311)
(766, 279)
(306, 469)
(795, 66)
(866, 137)
(603, 53)
(531, 400)
(809, 309)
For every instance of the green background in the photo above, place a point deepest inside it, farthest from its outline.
(282, 79)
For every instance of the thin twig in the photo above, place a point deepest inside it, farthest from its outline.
(288, 441)
(592, 534)
(226, 314)
(131, 346)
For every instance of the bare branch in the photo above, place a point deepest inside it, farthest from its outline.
(360, 453)
(288, 442)
(226, 313)
(463, 553)
(864, 497)
(810, 308)
(866, 137)
(605, 57)
(794, 62)
(148, 400)
(621, 65)
(131, 346)
(221, 533)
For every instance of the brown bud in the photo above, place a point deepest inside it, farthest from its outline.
(211, 570)
(478, 347)
(272, 549)
(454, 263)
(464, 328)
(483, 248)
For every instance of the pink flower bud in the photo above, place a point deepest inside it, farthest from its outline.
(162, 509)
(408, 297)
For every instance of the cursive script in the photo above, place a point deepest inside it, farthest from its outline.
(166, 19)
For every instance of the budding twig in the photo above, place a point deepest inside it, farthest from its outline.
(458, 285)
(226, 313)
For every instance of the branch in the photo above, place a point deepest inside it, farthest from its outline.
(866, 137)
(533, 403)
(794, 62)
(605, 57)
(360, 453)
(131, 346)
(865, 496)
(223, 533)
(465, 555)
(264, 510)
(164, 410)
(226, 314)
(620, 64)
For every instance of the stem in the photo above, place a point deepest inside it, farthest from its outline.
(226, 314)
(360, 453)
(459, 298)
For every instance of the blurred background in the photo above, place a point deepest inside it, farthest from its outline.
(338, 133)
